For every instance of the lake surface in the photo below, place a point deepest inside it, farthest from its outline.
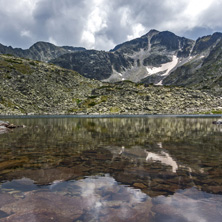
(111, 169)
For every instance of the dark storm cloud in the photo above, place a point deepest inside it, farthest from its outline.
(102, 24)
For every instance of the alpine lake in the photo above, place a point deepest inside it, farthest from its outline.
(113, 168)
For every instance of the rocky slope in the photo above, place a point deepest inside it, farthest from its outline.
(32, 87)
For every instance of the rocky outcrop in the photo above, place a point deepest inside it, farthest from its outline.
(3, 127)
(130, 98)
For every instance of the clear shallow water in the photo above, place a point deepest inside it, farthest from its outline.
(111, 169)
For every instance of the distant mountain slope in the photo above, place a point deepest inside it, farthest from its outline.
(42, 51)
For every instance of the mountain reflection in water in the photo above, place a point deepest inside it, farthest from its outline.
(111, 169)
(163, 157)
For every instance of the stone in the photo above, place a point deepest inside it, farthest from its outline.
(185, 208)
(3, 130)
(139, 185)
(141, 212)
(23, 184)
(218, 122)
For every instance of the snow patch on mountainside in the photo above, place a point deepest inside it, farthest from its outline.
(166, 68)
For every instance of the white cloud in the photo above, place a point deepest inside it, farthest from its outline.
(195, 7)
(138, 30)
(53, 41)
(25, 33)
(102, 24)
(96, 21)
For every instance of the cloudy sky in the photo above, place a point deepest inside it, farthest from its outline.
(102, 24)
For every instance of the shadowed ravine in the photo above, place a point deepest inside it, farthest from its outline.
(111, 169)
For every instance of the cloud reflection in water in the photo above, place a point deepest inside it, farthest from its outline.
(103, 198)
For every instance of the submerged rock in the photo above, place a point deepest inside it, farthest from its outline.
(6, 126)
(218, 122)
(3, 127)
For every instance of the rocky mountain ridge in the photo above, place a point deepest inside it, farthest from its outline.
(161, 58)
(42, 51)
(153, 54)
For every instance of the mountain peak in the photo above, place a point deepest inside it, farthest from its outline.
(151, 32)
(42, 44)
